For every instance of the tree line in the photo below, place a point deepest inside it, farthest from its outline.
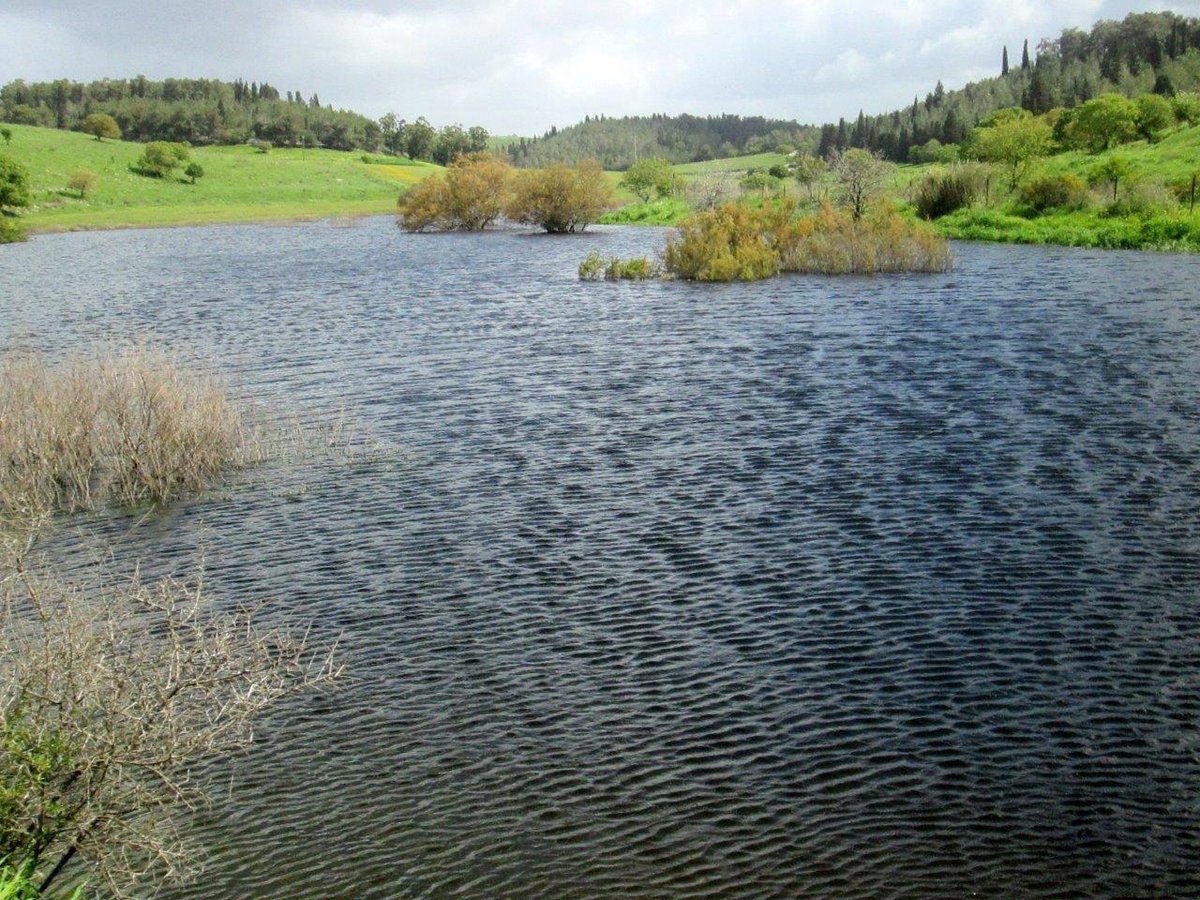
(209, 111)
(620, 142)
(1143, 53)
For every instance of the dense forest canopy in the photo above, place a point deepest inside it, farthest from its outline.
(209, 111)
(1143, 53)
(619, 142)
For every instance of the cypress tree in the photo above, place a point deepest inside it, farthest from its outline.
(1004, 62)
(1025, 56)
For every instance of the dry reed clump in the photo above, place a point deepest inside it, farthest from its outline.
(131, 428)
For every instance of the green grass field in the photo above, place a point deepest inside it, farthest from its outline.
(240, 184)
(732, 164)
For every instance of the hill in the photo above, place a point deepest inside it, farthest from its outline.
(205, 111)
(619, 142)
(240, 183)
(1143, 53)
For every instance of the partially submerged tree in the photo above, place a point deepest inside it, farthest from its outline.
(113, 690)
(561, 199)
(469, 196)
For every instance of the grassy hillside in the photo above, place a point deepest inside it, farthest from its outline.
(1154, 223)
(732, 164)
(240, 183)
(1171, 159)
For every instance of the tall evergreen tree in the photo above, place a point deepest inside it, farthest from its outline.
(1004, 62)
(1025, 56)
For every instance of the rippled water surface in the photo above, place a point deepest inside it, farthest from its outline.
(859, 587)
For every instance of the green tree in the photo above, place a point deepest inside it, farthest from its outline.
(102, 126)
(760, 181)
(1154, 116)
(809, 171)
(419, 139)
(193, 171)
(861, 176)
(649, 176)
(82, 181)
(1011, 137)
(1112, 171)
(160, 158)
(560, 199)
(6, 133)
(1187, 108)
(1103, 122)
(14, 186)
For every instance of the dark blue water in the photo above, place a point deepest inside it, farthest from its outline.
(857, 587)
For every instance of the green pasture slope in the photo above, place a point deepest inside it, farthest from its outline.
(732, 164)
(240, 184)
(1157, 226)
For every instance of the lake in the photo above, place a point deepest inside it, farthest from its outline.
(857, 586)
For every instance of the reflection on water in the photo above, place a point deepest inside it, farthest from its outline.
(871, 587)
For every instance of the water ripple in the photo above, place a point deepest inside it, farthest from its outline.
(875, 587)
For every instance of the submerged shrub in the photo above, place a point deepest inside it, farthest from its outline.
(941, 193)
(560, 199)
(733, 242)
(129, 429)
(1055, 192)
(637, 268)
(728, 243)
(469, 196)
(833, 243)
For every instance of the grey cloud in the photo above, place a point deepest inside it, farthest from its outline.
(522, 66)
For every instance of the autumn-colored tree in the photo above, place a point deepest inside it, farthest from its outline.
(82, 181)
(469, 196)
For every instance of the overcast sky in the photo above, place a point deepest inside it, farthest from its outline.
(520, 66)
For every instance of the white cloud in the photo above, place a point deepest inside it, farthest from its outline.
(522, 65)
